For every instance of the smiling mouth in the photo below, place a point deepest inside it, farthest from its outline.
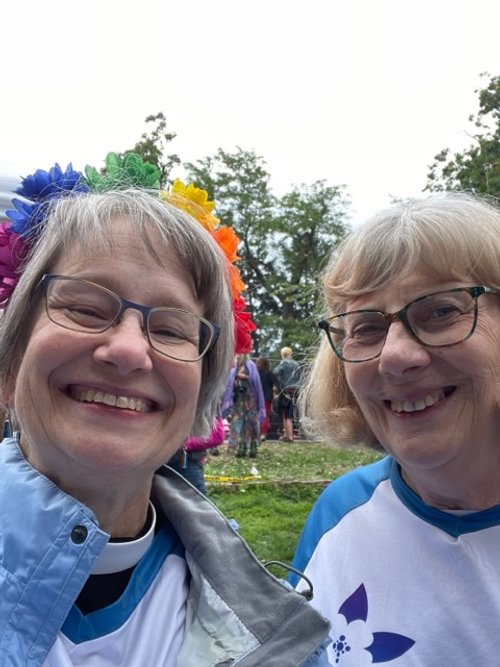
(421, 404)
(133, 403)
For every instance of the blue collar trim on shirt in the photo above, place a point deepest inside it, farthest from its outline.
(79, 628)
(452, 524)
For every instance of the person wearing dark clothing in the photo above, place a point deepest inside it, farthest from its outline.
(288, 374)
(269, 383)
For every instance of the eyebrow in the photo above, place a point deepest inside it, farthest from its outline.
(164, 300)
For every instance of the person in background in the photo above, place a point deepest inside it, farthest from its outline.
(403, 553)
(115, 345)
(244, 401)
(287, 373)
(269, 384)
(190, 460)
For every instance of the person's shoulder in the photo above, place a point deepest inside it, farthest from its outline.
(347, 493)
(353, 489)
(342, 496)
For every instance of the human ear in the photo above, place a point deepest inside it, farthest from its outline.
(7, 390)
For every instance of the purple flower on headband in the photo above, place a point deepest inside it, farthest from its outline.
(40, 188)
(12, 252)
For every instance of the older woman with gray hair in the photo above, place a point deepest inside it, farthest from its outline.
(114, 347)
(403, 553)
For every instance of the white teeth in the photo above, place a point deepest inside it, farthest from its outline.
(109, 399)
(418, 405)
(122, 402)
(125, 402)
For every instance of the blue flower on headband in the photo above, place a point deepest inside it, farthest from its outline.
(40, 188)
(43, 185)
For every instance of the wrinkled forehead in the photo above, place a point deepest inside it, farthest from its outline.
(122, 233)
(409, 279)
(391, 248)
(126, 255)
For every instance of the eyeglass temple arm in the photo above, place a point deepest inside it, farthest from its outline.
(326, 326)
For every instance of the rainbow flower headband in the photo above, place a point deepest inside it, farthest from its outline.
(21, 232)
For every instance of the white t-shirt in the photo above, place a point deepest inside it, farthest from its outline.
(145, 626)
(402, 583)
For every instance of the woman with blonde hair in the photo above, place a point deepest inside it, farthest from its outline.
(403, 554)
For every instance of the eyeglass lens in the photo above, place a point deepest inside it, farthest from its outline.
(444, 318)
(82, 306)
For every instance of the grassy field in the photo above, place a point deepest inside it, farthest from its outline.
(271, 496)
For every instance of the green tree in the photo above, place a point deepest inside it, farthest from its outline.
(312, 221)
(283, 241)
(476, 168)
(152, 146)
(239, 183)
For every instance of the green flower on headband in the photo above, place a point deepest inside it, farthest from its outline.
(128, 171)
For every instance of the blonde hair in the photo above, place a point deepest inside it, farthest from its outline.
(452, 236)
(286, 352)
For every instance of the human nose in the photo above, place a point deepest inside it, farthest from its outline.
(125, 345)
(401, 351)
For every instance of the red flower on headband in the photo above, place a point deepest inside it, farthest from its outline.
(243, 326)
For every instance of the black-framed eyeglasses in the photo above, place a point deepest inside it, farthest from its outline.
(81, 305)
(439, 319)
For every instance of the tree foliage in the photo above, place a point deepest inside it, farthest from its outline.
(284, 241)
(152, 146)
(477, 168)
(312, 221)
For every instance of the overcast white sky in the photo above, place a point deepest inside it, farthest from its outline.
(359, 92)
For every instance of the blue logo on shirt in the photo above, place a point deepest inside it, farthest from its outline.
(353, 637)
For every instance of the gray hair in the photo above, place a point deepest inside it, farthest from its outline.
(84, 221)
(451, 236)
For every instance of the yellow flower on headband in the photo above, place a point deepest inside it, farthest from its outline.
(194, 201)
(197, 195)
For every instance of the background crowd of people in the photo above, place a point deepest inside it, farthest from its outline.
(255, 394)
